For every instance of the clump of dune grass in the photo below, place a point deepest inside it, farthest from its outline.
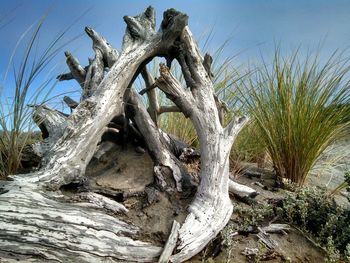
(177, 124)
(248, 148)
(296, 105)
(28, 87)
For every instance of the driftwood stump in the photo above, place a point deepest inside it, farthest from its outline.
(65, 212)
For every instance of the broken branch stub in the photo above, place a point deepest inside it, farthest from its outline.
(52, 124)
(72, 104)
(77, 71)
(151, 94)
(94, 74)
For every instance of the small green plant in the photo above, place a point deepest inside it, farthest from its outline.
(296, 105)
(315, 213)
(333, 255)
(262, 252)
(255, 216)
(347, 252)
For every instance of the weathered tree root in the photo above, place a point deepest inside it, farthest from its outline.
(37, 217)
(212, 207)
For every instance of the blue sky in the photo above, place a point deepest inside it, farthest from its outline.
(253, 27)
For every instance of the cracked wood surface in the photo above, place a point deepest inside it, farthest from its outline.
(34, 226)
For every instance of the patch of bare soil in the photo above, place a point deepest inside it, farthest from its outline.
(293, 247)
(154, 220)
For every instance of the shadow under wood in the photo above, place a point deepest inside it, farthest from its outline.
(121, 169)
(125, 174)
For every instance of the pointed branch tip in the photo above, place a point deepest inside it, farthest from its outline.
(151, 16)
(89, 31)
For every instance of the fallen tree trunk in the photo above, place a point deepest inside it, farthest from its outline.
(42, 216)
(35, 226)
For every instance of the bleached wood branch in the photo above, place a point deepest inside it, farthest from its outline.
(151, 94)
(103, 202)
(164, 109)
(211, 208)
(170, 244)
(167, 166)
(110, 54)
(76, 70)
(276, 228)
(241, 190)
(154, 108)
(94, 75)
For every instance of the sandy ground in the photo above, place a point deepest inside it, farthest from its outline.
(294, 246)
(329, 171)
